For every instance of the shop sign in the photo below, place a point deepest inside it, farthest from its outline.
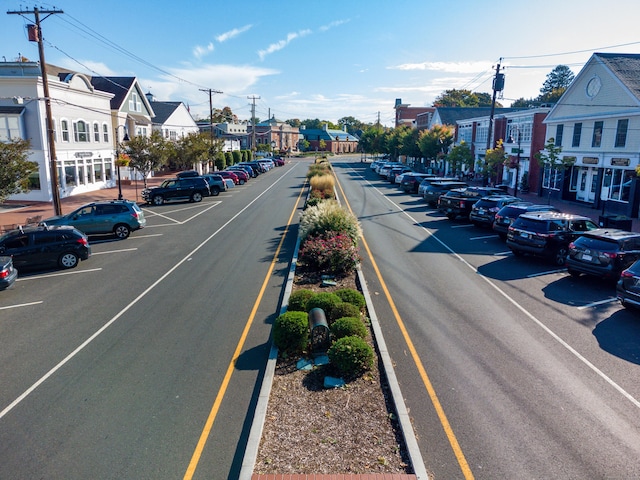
(620, 162)
(83, 154)
(590, 160)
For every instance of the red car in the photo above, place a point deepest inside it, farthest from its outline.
(240, 173)
(231, 175)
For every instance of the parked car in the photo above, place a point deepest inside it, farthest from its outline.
(547, 234)
(484, 210)
(216, 183)
(228, 174)
(628, 286)
(279, 161)
(8, 273)
(458, 202)
(241, 170)
(44, 246)
(119, 217)
(432, 192)
(384, 168)
(410, 181)
(187, 174)
(429, 180)
(507, 214)
(395, 171)
(191, 188)
(603, 253)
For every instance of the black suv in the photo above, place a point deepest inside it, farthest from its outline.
(431, 193)
(507, 214)
(603, 253)
(189, 188)
(484, 210)
(45, 246)
(547, 234)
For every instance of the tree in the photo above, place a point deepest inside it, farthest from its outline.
(463, 98)
(15, 168)
(146, 154)
(558, 79)
(460, 156)
(194, 149)
(352, 124)
(224, 115)
(435, 142)
(494, 158)
(372, 140)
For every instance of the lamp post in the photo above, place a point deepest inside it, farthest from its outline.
(124, 139)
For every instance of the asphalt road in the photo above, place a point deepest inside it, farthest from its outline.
(509, 367)
(145, 361)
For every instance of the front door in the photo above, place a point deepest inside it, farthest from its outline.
(587, 183)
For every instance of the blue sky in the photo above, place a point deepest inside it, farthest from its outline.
(326, 60)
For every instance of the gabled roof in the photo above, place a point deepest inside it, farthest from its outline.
(163, 111)
(626, 66)
(450, 115)
(119, 86)
(328, 134)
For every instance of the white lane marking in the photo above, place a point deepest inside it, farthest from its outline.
(58, 274)
(177, 222)
(548, 272)
(146, 236)
(114, 251)
(21, 305)
(459, 226)
(528, 314)
(483, 237)
(595, 304)
(102, 329)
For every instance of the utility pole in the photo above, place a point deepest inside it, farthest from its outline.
(35, 35)
(498, 86)
(253, 122)
(211, 92)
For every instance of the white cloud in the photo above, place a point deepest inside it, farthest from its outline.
(331, 25)
(449, 67)
(274, 47)
(199, 51)
(89, 67)
(223, 37)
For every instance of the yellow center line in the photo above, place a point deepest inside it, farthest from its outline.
(453, 441)
(195, 458)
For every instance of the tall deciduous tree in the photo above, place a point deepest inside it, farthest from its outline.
(463, 98)
(15, 168)
(494, 158)
(146, 154)
(460, 156)
(194, 149)
(435, 142)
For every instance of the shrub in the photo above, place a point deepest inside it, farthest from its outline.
(322, 183)
(291, 332)
(329, 216)
(351, 296)
(351, 356)
(298, 300)
(332, 253)
(348, 327)
(344, 309)
(326, 301)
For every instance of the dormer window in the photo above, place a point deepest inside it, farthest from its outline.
(134, 103)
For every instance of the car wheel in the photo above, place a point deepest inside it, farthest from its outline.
(122, 231)
(560, 257)
(573, 273)
(451, 216)
(517, 253)
(68, 260)
(241, 181)
(196, 197)
(215, 191)
(503, 236)
(157, 200)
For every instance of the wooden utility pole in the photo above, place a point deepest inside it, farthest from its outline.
(35, 35)
(211, 92)
(498, 86)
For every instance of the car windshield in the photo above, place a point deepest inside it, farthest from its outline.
(531, 225)
(600, 244)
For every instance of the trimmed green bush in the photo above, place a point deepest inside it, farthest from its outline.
(326, 301)
(348, 327)
(291, 332)
(351, 356)
(351, 296)
(298, 300)
(344, 309)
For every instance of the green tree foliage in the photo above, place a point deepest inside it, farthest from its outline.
(15, 168)
(550, 155)
(494, 158)
(460, 157)
(557, 81)
(224, 115)
(220, 161)
(353, 125)
(463, 98)
(311, 124)
(372, 140)
(435, 142)
(237, 156)
(192, 150)
(147, 154)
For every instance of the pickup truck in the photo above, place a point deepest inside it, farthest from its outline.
(458, 202)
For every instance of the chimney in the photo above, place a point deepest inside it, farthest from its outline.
(150, 97)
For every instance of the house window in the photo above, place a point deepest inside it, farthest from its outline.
(34, 181)
(80, 131)
(620, 181)
(559, 133)
(577, 132)
(596, 140)
(64, 125)
(134, 103)
(552, 178)
(96, 132)
(105, 133)
(9, 127)
(621, 132)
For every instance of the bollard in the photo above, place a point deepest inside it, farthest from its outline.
(320, 335)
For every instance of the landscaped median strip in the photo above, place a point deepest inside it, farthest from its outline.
(404, 420)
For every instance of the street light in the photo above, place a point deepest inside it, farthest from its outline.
(124, 139)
